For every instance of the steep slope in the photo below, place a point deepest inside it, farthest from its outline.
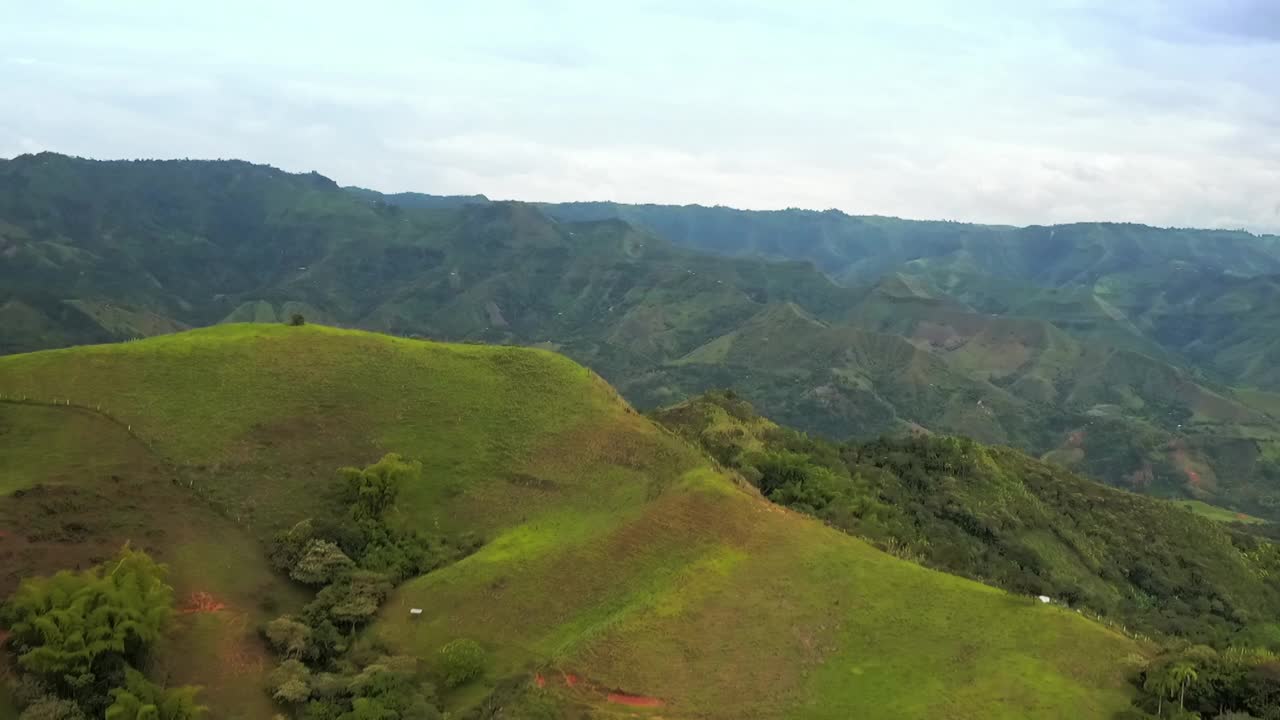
(617, 562)
(1003, 517)
(837, 379)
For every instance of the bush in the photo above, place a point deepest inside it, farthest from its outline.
(49, 707)
(321, 563)
(141, 699)
(296, 320)
(460, 661)
(70, 626)
(291, 682)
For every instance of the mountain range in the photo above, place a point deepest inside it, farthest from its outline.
(1137, 355)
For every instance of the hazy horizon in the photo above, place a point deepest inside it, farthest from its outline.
(1162, 113)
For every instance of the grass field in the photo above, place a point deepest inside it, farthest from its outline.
(1220, 514)
(616, 555)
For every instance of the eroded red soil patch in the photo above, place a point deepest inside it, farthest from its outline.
(1142, 477)
(202, 602)
(1178, 453)
(618, 698)
(1075, 439)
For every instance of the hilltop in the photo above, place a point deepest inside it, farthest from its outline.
(614, 559)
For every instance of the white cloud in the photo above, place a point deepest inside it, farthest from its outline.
(1008, 112)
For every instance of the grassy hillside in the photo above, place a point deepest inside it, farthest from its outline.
(997, 515)
(617, 561)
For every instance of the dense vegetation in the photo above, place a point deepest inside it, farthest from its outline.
(325, 673)
(620, 573)
(77, 638)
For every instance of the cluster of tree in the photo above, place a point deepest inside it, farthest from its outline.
(78, 637)
(355, 563)
(1200, 682)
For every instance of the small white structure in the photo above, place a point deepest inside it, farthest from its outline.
(1041, 598)
(415, 613)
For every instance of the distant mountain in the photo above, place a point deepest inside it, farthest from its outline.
(1102, 378)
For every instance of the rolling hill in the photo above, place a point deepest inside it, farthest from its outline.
(620, 572)
(949, 332)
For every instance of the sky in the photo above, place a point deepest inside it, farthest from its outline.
(997, 111)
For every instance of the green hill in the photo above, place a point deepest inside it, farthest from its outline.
(616, 561)
(997, 515)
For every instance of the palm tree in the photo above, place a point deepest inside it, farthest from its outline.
(1180, 675)
(1159, 683)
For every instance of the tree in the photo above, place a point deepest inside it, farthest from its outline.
(141, 699)
(460, 661)
(321, 563)
(368, 709)
(1159, 683)
(64, 624)
(288, 636)
(372, 491)
(288, 545)
(355, 599)
(291, 682)
(296, 320)
(1180, 676)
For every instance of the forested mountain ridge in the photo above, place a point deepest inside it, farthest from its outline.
(94, 251)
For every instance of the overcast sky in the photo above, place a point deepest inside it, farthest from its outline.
(982, 110)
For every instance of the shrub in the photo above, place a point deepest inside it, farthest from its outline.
(296, 320)
(460, 661)
(65, 626)
(49, 707)
(291, 682)
(288, 636)
(141, 699)
(321, 563)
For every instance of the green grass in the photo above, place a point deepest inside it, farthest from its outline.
(1220, 514)
(244, 403)
(51, 444)
(615, 551)
(725, 606)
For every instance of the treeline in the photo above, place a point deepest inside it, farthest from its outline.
(78, 639)
(1200, 682)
